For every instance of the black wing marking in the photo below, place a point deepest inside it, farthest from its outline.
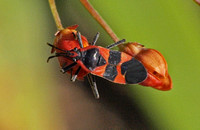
(114, 57)
(110, 72)
(134, 71)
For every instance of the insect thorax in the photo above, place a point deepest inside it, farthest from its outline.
(91, 58)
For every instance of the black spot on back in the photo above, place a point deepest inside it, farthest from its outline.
(110, 72)
(114, 57)
(91, 58)
(134, 71)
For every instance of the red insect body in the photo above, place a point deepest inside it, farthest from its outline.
(66, 39)
(153, 61)
(115, 66)
(156, 65)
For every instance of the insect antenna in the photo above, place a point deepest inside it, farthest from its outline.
(65, 69)
(50, 57)
(95, 38)
(55, 47)
(56, 55)
(76, 74)
(66, 54)
(116, 43)
(92, 82)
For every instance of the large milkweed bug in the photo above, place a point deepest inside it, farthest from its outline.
(115, 66)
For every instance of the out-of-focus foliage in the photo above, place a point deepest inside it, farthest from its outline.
(24, 76)
(29, 90)
(173, 28)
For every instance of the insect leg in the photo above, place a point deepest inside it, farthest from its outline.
(55, 47)
(65, 69)
(116, 43)
(76, 74)
(79, 39)
(95, 38)
(93, 85)
(56, 55)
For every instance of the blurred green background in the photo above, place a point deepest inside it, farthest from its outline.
(35, 95)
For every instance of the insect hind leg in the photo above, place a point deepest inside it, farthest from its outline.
(92, 82)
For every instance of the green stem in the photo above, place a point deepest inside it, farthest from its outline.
(99, 19)
(55, 14)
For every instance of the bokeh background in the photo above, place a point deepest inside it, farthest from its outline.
(35, 95)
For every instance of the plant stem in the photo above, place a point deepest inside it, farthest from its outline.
(55, 14)
(197, 1)
(99, 19)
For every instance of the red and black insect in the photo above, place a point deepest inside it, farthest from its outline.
(115, 66)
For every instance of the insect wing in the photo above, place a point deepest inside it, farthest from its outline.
(133, 71)
(120, 68)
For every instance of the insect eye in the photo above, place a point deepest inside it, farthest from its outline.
(75, 49)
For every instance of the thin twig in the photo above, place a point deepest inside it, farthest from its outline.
(55, 14)
(197, 1)
(101, 21)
